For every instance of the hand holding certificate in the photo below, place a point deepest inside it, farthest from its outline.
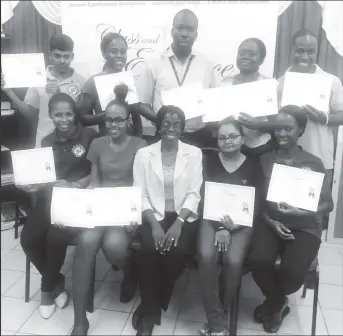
(188, 98)
(33, 166)
(105, 87)
(256, 99)
(300, 188)
(307, 89)
(227, 199)
(96, 207)
(23, 70)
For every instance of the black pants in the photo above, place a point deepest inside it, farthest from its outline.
(158, 273)
(45, 244)
(296, 258)
(217, 298)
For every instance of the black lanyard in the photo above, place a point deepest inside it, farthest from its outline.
(185, 74)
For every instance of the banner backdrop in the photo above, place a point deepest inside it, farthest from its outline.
(223, 25)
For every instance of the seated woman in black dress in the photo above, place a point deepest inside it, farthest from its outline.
(225, 241)
(284, 230)
(43, 243)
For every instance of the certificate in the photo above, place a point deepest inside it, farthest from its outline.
(117, 206)
(257, 99)
(23, 70)
(187, 97)
(72, 207)
(312, 89)
(229, 199)
(105, 87)
(300, 188)
(33, 166)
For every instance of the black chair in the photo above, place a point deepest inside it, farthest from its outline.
(90, 304)
(311, 282)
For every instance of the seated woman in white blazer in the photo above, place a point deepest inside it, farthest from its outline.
(169, 173)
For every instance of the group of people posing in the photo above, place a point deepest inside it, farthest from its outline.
(171, 170)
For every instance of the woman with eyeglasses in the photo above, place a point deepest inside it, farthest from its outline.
(112, 159)
(170, 176)
(293, 234)
(225, 242)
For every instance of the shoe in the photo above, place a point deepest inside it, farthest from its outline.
(214, 333)
(273, 323)
(204, 329)
(145, 328)
(62, 299)
(47, 311)
(129, 284)
(81, 330)
(261, 312)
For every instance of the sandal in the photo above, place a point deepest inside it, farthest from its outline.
(273, 323)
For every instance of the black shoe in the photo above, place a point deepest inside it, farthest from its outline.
(262, 311)
(145, 328)
(129, 284)
(80, 330)
(273, 323)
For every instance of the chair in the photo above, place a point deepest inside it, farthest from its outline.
(90, 304)
(311, 282)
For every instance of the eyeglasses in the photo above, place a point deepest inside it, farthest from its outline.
(118, 121)
(231, 137)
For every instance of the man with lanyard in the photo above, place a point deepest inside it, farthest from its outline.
(60, 78)
(178, 66)
(318, 138)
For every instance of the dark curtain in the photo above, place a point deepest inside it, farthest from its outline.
(28, 32)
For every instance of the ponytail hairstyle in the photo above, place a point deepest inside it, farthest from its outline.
(120, 91)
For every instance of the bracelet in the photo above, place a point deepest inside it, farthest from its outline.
(327, 119)
(181, 220)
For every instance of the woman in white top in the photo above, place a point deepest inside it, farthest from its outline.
(170, 176)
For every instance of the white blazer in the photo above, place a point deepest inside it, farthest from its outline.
(148, 175)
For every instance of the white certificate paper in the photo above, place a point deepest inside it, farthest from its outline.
(33, 166)
(23, 70)
(72, 207)
(117, 206)
(300, 188)
(187, 97)
(228, 199)
(312, 89)
(257, 99)
(105, 87)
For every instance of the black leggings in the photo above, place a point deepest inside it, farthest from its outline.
(45, 244)
(296, 258)
(158, 273)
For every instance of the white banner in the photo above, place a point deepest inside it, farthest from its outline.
(147, 25)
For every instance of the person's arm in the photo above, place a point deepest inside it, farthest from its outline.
(85, 111)
(93, 157)
(29, 108)
(81, 183)
(193, 197)
(147, 112)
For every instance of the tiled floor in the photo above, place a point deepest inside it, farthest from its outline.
(186, 313)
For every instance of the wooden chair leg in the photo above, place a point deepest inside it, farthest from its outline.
(27, 280)
(315, 305)
(90, 304)
(304, 290)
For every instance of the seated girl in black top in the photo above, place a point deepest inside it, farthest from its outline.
(292, 233)
(225, 240)
(45, 244)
